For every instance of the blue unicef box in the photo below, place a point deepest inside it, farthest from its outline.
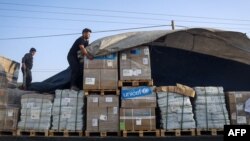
(142, 96)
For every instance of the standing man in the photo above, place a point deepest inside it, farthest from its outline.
(80, 44)
(27, 64)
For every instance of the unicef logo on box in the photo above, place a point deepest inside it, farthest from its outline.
(145, 90)
(136, 92)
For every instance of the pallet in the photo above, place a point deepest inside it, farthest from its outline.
(142, 133)
(65, 133)
(32, 133)
(135, 83)
(8, 133)
(102, 92)
(212, 131)
(178, 132)
(101, 134)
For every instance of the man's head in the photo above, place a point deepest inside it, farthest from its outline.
(33, 51)
(86, 33)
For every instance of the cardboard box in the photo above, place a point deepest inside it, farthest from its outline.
(91, 79)
(103, 113)
(237, 107)
(8, 118)
(102, 62)
(135, 64)
(143, 101)
(92, 118)
(109, 101)
(95, 79)
(3, 80)
(11, 97)
(109, 119)
(179, 88)
(134, 119)
(109, 79)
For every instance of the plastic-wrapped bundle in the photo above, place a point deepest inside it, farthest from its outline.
(35, 112)
(210, 107)
(176, 111)
(68, 110)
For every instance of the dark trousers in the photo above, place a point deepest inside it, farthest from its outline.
(76, 71)
(27, 77)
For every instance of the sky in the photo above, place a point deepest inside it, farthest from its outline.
(34, 18)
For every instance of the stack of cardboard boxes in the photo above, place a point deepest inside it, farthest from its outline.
(10, 103)
(138, 109)
(135, 64)
(138, 104)
(239, 107)
(35, 112)
(210, 108)
(102, 113)
(9, 70)
(68, 110)
(101, 73)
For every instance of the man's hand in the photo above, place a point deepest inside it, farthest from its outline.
(85, 53)
(90, 57)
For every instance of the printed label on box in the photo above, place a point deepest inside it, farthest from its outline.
(124, 56)
(35, 113)
(239, 107)
(90, 81)
(109, 99)
(103, 117)
(110, 63)
(66, 112)
(247, 106)
(233, 116)
(66, 100)
(10, 113)
(94, 122)
(138, 121)
(127, 72)
(138, 71)
(241, 120)
(115, 110)
(30, 105)
(238, 95)
(145, 61)
(135, 73)
(95, 99)
(146, 51)
(122, 125)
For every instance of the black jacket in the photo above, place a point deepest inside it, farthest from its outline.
(28, 60)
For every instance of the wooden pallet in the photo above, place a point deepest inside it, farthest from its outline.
(212, 131)
(65, 133)
(32, 133)
(102, 92)
(135, 83)
(153, 133)
(101, 134)
(178, 132)
(8, 133)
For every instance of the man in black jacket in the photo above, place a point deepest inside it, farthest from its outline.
(27, 64)
(80, 44)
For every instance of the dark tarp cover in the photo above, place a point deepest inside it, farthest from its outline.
(58, 81)
(194, 57)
